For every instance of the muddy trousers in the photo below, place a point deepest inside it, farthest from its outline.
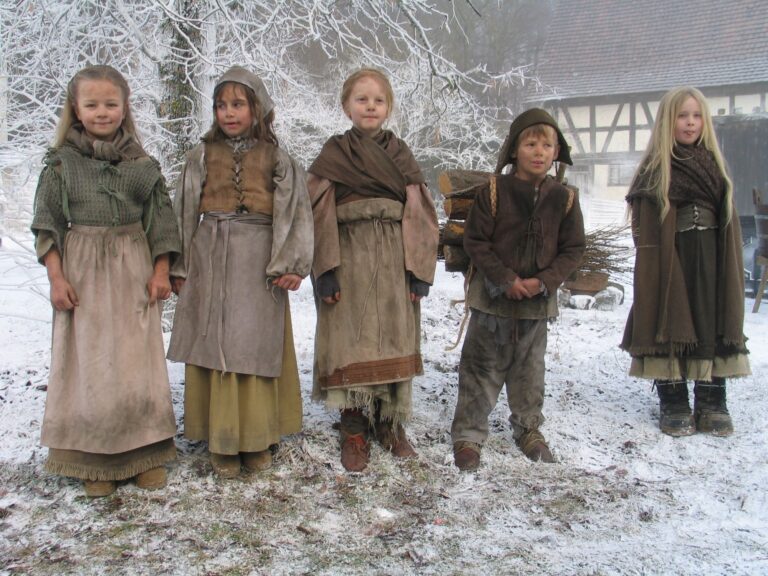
(485, 366)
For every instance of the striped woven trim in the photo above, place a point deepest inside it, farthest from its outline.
(374, 372)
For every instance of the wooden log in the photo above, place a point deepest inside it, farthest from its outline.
(454, 180)
(453, 233)
(457, 208)
(456, 260)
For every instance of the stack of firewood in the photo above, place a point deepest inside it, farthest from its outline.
(459, 189)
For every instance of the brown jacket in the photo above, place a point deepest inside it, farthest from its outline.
(542, 239)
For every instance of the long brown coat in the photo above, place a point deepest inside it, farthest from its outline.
(660, 322)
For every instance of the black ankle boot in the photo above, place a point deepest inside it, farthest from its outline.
(675, 418)
(710, 408)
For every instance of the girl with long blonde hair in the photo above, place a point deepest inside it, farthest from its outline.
(686, 321)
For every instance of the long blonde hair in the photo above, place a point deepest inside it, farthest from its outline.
(655, 169)
(97, 72)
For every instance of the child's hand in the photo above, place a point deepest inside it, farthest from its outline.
(534, 286)
(158, 287)
(177, 284)
(63, 296)
(419, 289)
(328, 287)
(335, 298)
(517, 291)
(288, 281)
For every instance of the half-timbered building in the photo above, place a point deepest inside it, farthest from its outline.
(606, 63)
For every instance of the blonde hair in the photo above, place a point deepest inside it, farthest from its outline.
(261, 129)
(656, 165)
(352, 79)
(69, 116)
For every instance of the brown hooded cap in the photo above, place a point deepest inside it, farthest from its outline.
(526, 120)
(246, 78)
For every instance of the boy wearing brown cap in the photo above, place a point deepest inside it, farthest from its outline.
(524, 236)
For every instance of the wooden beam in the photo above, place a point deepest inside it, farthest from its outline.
(612, 129)
(573, 130)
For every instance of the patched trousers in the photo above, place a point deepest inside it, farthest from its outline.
(486, 365)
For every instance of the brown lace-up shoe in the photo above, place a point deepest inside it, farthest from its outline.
(466, 456)
(257, 461)
(152, 479)
(355, 451)
(534, 446)
(99, 488)
(226, 465)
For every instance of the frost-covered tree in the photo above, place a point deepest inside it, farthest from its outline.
(171, 51)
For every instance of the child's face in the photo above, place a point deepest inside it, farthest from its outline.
(367, 105)
(534, 156)
(689, 122)
(233, 112)
(101, 107)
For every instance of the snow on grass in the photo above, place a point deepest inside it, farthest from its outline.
(622, 498)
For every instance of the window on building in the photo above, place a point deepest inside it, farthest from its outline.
(620, 174)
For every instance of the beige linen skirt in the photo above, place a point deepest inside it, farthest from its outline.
(108, 414)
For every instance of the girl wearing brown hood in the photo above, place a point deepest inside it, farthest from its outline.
(375, 254)
(246, 231)
(686, 321)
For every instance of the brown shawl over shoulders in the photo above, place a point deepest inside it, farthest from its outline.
(379, 167)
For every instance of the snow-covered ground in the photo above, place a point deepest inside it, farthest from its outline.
(622, 499)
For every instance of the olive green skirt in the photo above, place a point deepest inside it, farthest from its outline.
(241, 412)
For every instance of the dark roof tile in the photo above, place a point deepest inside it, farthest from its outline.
(599, 47)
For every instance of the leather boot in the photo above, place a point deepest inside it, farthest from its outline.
(710, 409)
(466, 455)
(393, 439)
(99, 488)
(226, 465)
(534, 446)
(257, 461)
(353, 433)
(675, 417)
(152, 479)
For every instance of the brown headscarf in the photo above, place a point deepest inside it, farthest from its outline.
(378, 166)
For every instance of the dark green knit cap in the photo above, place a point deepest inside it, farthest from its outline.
(526, 120)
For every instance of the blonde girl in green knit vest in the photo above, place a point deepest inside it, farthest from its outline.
(104, 229)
